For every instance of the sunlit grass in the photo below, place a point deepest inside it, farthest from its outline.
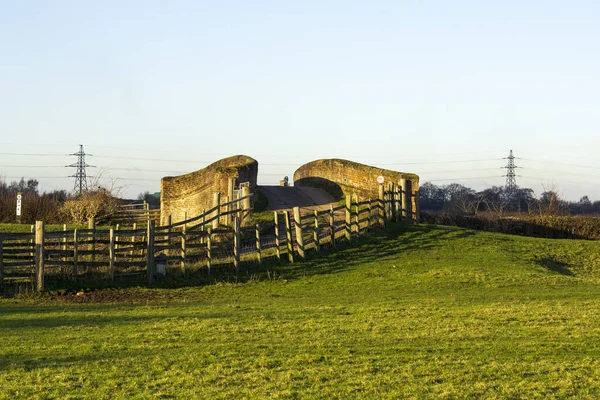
(418, 312)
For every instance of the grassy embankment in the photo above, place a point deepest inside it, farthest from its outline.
(428, 311)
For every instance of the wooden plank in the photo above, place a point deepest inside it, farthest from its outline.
(209, 248)
(405, 203)
(236, 244)
(277, 244)
(16, 236)
(381, 198)
(299, 233)
(258, 250)
(150, 253)
(217, 207)
(357, 216)
(348, 217)
(332, 225)
(183, 251)
(39, 255)
(111, 256)
(75, 253)
(316, 238)
(288, 236)
(1, 263)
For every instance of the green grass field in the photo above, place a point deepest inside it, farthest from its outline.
(422, 311)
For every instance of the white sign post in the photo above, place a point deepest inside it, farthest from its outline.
(380, 179)
(19, 197)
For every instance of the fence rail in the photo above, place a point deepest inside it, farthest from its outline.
(34, 260)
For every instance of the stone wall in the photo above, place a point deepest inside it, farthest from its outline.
(190, 194)
(342, 176)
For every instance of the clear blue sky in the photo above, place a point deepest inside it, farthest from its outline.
(407, 85)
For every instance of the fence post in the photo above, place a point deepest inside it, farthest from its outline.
(357, 215)
(183, 249)
(370, 211)
(228, 208)
(202, 227)
(32, 241)
(169, 231)
(332, 225)
(246, 204)
(150, 253)
(394, 203)
(381, 198)
(75, 253)
(116, 241)
(217, 204)
(390, 203)
(277, 244)
(416, 199)
(209, 249)
(258, 255)
(398, 195)
(39, 255)
(92, 246)
(299, 232)
(111, 254)
(1, 263)
(409, 201)
(288, 236)
(404, 198)
(348, 217)
(132, 241)
(316, 235)
(236, 244)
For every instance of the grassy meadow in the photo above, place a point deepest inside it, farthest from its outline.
(413, 312)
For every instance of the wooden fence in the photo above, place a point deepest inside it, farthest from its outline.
(75, 258)
(133, 213)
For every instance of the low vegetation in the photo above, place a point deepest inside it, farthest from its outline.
(422, 311)
(546, 226)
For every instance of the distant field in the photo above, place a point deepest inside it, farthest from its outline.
(426, 311)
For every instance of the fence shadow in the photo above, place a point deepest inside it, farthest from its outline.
(378, 246)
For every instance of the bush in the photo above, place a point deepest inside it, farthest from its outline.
(548, 226)
(92, 204)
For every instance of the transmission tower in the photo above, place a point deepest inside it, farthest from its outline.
(80, 175)
(511, 181)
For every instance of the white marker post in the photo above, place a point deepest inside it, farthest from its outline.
(19, 197)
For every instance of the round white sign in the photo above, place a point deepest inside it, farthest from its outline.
(19, 197)
(380, 179)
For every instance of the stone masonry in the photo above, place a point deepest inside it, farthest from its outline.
(339, 176)
(188, 195)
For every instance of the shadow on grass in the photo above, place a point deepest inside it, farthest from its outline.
(389, 242)
(95, 354)
(89, 317)
(555, 266)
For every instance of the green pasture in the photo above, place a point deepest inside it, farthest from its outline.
(412, 312)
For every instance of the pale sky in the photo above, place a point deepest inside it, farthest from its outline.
(443, 89)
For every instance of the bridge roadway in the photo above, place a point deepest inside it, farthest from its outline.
(287, 197)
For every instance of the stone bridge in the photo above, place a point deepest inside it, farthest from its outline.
(316, 184)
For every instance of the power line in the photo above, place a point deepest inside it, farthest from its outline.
(560, 163)
(461, 179)
(34, 154)
(442, 162)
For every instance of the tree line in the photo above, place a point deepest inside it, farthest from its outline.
(500, 201)
(57, 206)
